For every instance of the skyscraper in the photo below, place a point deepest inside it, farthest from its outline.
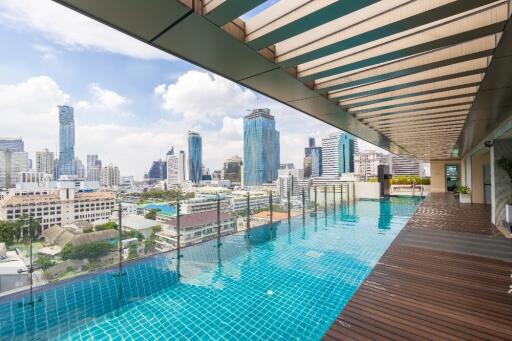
(195, 156)
(93, 167)
(157, 171)
(79, 168)
(13, 144)
(346, 153)
(261, 148)
(232, 169)
(401, 165)
(45, 162)
(110, 176)
(66, 141)
(338, 151)
(11, 163)
(175, 168)
(312, 160)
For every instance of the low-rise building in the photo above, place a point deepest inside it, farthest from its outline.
(59, 209)
(202, 204)
(10, 263)
(238, 201)
(133, 222)
(194, 228)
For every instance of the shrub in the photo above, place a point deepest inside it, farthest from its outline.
(92, 251)
(152, 214)
(133, 234)
(463, 190)
(45, 262)
(111, 225)
(409, 180)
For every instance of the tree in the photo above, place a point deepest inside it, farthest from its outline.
(132, 251)
(152, 214)
(9, 231)
(92, 251)
(149, 244)
(133, 234)
(45, 262)
(111, 225)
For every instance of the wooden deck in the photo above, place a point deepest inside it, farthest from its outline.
(445, 277)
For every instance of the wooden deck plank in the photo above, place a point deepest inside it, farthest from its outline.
(416, 293)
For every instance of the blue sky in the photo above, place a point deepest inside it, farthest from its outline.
(132, 102)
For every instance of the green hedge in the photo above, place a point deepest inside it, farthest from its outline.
(409, 180)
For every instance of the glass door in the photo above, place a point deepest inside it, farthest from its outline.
(452, 177)
(487, 184)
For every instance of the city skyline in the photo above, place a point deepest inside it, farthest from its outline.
(132, 102)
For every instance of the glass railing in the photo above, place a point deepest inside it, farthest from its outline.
(107, 247)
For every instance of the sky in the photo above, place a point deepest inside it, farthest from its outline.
(132, 102)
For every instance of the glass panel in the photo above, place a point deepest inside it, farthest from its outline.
(452, 177)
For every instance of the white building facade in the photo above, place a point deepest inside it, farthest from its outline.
(11, 163)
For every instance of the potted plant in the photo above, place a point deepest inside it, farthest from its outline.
(464, 194)
(506, 165)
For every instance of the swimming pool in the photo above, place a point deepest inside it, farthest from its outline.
(163, 208)
(285, 281)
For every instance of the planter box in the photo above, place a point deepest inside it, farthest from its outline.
(508, 213)
(465, 198)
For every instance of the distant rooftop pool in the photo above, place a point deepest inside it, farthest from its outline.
(164, 208)
(277, 282)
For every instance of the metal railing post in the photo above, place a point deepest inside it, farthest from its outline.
(178, 227)
(218, 221)
(270, 207)
(325, 199)
(334, 198)
(315, 201)
(248, 216)
(353, 191)
(288, 206)
(303, 205)
(120, 216)
(341, 193)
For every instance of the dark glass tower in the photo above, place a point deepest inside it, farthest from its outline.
(195, 156)
(66, 140)
(261, 148)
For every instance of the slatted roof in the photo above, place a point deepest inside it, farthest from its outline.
(402, 74)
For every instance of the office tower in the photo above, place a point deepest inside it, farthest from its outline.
(261, 148)
(13, 144)
(346, 153)
(330, 155)
(312, 160)
(175, 167)
(11, 163)
(66, 141)
(366, 163)
(79, 169)
(401, 165)
(30, 164)
(93, 167)
(157, 171)
(232, 169)
(110, 176)
(195, 156)
(45, 161)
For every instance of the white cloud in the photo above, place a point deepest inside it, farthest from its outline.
(107, 98)
(204, 98)
(72, 30)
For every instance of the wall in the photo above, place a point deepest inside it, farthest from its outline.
(501, 184)
(438, 175)
(367, 190)
(477, 177)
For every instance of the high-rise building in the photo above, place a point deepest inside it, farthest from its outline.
(157, 171)
(11, 163)
(232, 169)
(195, 156)
(175, 167)
(401, 165)
(346, 153)
(110, 176)
(312, 160)
(79, 169)
(366, 163)
(261, 148)
(338, 151)
(330, 155)
(13, 144)
(45, 162)
(93, 167)
(66, 141)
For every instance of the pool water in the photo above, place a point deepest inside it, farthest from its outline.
(163, 208)
(280, 282)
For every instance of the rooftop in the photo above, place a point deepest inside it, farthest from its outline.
(195, 219)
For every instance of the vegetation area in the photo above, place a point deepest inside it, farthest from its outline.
(133, 234)
(160, 195)
(18, 231)
(132, 251)
(409, 180)
(45, 262)
(149, 244)
(92, 251)
(111, 225)
(152, 214)
(463, 190)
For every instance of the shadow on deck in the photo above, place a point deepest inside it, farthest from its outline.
(445, 277)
